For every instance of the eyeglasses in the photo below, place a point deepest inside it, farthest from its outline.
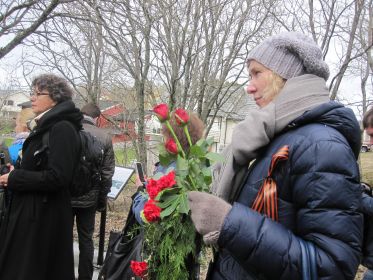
(38, 93)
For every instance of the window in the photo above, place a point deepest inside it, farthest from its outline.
(8, 102)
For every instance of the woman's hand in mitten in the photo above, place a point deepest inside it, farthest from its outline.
(208, 213)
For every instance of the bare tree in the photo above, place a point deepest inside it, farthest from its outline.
(201, 47)
(331, 23)
(20, 19)
(360, 67)
(348, 56)
(73, 46)
(128, 25)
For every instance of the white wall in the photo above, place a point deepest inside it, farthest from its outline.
(8, 110)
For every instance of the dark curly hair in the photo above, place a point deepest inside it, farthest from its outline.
(196, 129)
(58, 88)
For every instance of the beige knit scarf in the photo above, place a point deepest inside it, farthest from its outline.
(299, 95)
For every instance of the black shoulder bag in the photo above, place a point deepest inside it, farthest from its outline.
(122, 249)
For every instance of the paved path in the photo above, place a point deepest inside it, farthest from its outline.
(76, 259)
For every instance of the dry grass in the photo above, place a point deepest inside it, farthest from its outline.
(118, 209)
(116, 213)
(366, 165)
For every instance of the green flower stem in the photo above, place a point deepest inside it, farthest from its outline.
(181, 148)
(193, 183)
(175, 138)
(186, 131)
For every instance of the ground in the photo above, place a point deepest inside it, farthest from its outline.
(118, 209)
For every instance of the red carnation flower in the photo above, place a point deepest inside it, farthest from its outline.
(162, 112)
(152, 188)
(171, 146)
(167, 181)
(181, 117)
(139, 268)
(152, 212)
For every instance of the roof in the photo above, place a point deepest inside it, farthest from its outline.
(24, 105)
(79, 103)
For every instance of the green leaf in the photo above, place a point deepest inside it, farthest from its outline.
(182, 166)
(184, 205)
(181, 163)
(165, 158)
(166, 192)
(203, 145)
(210, 141)
(169, 210)
(201, 142)
(167, 200)
(182, 183)
(206, 171)
(194, 167)
(196, 151)
(215, 157)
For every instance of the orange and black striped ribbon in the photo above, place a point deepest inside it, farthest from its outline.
(266, 199)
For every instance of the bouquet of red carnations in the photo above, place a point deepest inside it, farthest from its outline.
(172, 246)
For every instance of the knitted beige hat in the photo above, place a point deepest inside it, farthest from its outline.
(290, 54)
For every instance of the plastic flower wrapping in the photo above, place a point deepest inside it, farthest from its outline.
(172, 247)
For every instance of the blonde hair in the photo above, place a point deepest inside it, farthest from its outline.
(23, 117)
(275, 85)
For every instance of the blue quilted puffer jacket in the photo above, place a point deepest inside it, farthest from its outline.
(318, 197)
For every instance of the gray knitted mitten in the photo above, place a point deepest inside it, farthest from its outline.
(208, 213)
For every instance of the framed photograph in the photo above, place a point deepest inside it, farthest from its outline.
(119, 181)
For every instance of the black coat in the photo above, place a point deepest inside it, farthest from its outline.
(36, 241)
(318, 200)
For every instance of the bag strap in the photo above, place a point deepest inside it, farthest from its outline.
(308, 252)
(131, 219)
(266, 199)
(45, 139)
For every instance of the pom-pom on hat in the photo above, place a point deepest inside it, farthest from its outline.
(290, 54)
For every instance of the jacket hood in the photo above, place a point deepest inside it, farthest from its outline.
(65, 110)
(335, 115)
(88, 119)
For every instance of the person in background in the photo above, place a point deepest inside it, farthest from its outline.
(85, 206)
(22, 131)
(367, 208)
(36, 240)
(196, 129)
(13, 154)
(303, 187)
(368, 122)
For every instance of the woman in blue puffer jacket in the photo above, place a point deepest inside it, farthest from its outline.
(312, 193)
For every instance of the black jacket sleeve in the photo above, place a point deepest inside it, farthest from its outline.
(63, 148)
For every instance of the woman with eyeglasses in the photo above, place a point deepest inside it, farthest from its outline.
(36, 241)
